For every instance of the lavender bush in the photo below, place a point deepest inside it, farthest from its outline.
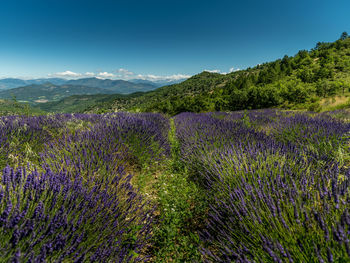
(76, 203)
(59, 217)
(270, 201)
(114, 139)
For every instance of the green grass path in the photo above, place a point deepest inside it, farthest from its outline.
(181, 206)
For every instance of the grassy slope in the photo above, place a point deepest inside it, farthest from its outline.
(194, 86)
(8, 107)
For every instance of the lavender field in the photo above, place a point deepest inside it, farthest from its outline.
(248, 186)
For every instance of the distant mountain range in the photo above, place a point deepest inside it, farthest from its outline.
(11, 83)
(122, 86)
(53, 89)
(117, 86)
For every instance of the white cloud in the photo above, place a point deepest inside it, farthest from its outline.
(233, 69)
(66, 74)
(169, 78)
(73, 75)
(125, 72)
(178, 76)
(105, 75)
(121, 73)
(89, 74)
(212, 70)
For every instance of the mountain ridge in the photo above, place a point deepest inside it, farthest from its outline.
(120, 86)
(11, 83)
(43, 91)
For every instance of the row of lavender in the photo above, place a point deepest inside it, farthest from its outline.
(277, 184)
(69, 198)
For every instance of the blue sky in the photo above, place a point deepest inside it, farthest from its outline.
(152, 39)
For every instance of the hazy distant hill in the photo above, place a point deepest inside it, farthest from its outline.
(49, 92)
(56, 81)
(11, 83)
(117, 86)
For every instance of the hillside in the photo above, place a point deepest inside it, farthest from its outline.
(11, 83)
(310, 79)
(81, 103)
(49, 92)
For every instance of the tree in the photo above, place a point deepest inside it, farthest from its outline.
(327, 88)
(344, 36)
(322, 45)
(343, 86)
(325, 72)
(303, 53)
(306, 75)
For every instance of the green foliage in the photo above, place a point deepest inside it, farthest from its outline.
(315, 107)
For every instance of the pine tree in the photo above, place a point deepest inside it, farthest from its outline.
(344, 36)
